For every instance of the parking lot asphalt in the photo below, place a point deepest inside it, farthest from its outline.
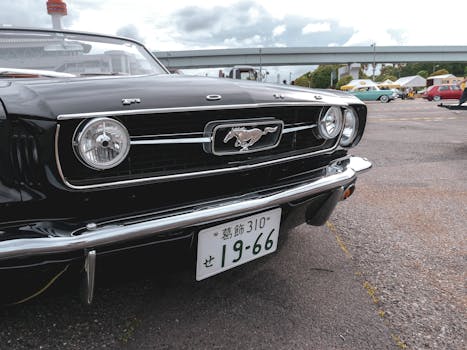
(386, 272)
(406, 228)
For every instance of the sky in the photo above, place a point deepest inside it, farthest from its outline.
(206, 24)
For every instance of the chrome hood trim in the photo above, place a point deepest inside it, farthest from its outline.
(117, 113)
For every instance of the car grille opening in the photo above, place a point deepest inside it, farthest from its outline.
(162, 160)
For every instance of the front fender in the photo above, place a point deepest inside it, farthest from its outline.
(8, 192)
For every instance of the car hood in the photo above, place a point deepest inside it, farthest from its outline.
(49, 98)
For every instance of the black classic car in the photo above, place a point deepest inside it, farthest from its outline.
(102, 150)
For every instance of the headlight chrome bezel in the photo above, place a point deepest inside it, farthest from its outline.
(80, 134)
(331, 115)
(351, 122)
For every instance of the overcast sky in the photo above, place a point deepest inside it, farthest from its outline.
(182, 24)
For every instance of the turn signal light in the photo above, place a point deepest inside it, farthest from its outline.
(348, 192)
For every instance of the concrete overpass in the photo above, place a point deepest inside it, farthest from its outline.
(289, 56)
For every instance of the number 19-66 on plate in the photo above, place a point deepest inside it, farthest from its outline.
(236, 242)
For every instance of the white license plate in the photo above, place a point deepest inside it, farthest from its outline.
(236, 242)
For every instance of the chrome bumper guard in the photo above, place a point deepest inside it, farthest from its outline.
(340, 173)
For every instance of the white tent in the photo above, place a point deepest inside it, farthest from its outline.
(358, 83)
(412, 81)
(441, 79)
(387, 82)
(442, 76)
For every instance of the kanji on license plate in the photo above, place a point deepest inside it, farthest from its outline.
(236, 242)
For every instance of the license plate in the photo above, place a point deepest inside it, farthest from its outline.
(233, 243)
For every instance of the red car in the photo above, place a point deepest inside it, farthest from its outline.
(444, 91)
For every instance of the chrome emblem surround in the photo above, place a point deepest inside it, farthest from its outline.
(243, 136)
(129, 101)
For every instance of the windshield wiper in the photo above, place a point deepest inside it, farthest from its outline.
(32, 73)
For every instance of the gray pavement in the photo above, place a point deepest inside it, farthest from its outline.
(406, 228)
(307, 296)
(387, 272)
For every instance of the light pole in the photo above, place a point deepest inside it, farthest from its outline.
(260, 66)
(374, 59)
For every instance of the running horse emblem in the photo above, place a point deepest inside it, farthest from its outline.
(247, 138)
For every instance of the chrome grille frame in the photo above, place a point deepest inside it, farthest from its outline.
(186, 175)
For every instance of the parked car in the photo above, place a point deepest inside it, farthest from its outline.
(102, 150)
(442, 92)
(373, 93)
(398, 93)
(248, 73)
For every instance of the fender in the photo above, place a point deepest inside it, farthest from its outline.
(8, 193)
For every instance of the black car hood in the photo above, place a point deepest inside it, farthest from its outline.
(49, 98)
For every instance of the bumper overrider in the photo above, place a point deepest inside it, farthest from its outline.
(338, 177)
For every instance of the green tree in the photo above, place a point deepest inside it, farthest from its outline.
(362, 75)
(388, 70)
(431, 67)
(304, 80)
(454, 68)
(343, 81)
(440, 72)
(423, 73)
(413, 68)
(321, 77)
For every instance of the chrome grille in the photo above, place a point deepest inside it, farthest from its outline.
(169, 160)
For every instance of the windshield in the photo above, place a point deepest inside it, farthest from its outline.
(75, 54)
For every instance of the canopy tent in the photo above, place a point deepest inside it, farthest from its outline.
(412, 81)
(442, 79)
(388, 84)
(358, 83)
(442, 76)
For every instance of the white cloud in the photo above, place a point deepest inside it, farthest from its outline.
(279, 30)
(255, 41)
(256, 23)
(253, 14)
(366, 38)
(316, 28)
(402, 23)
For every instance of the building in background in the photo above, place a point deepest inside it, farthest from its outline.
(352, 69)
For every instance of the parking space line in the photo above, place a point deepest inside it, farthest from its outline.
(339, 240)
(370, 289)
(432, 119)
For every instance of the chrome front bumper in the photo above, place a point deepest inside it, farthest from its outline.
(339, 174)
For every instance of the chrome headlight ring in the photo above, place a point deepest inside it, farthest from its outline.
(350, 127)
(330, 123)
(101, 143)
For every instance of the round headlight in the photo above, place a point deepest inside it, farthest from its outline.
(101, 143)
(330, 123)
(350, 127)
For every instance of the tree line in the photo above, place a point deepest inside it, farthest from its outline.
(325, 76)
